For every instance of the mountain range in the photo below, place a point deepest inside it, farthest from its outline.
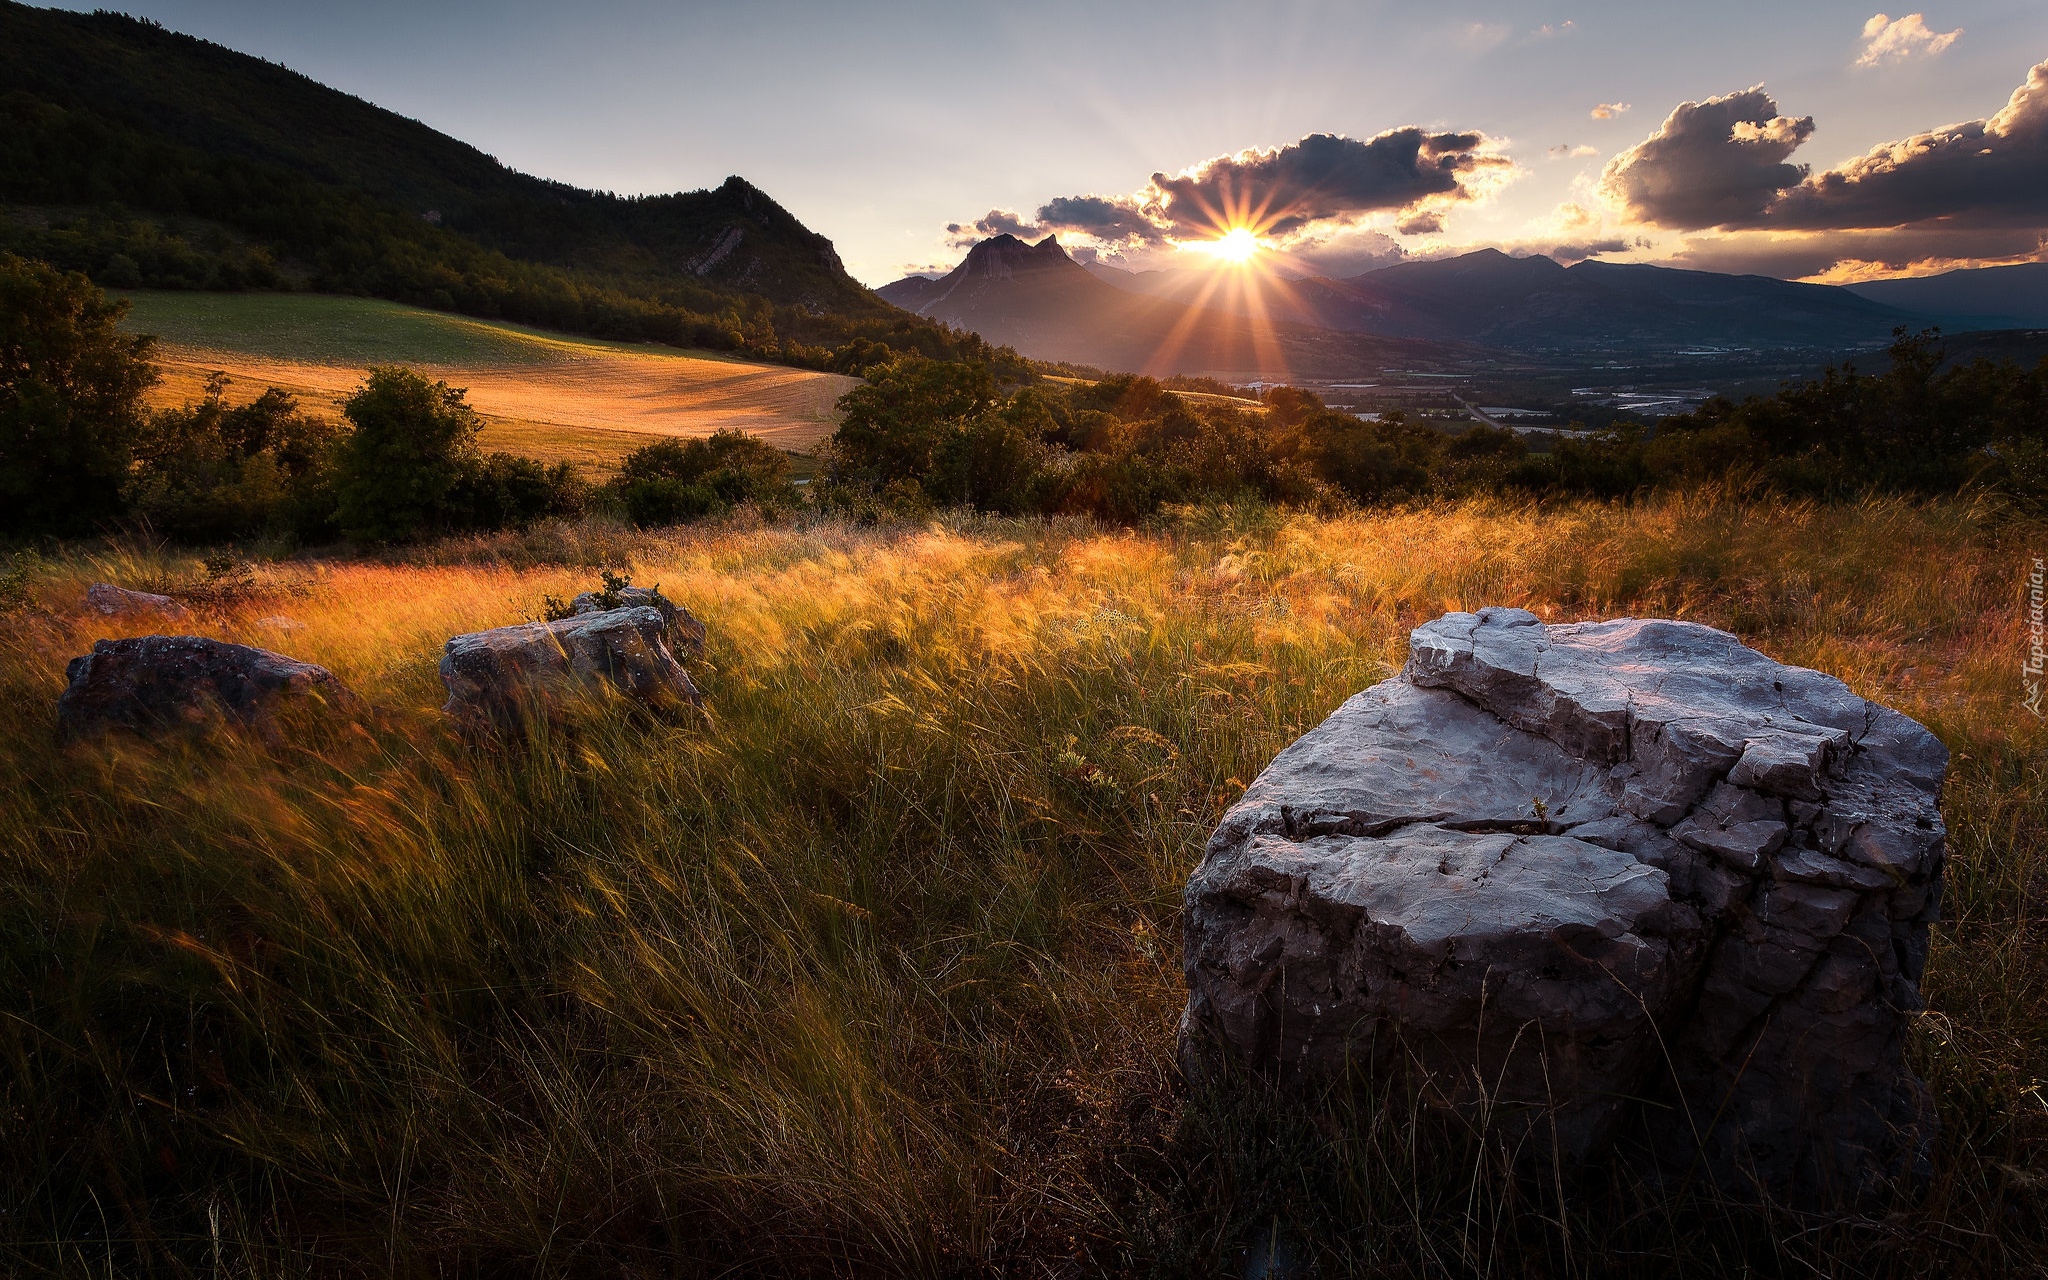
(1040, 300)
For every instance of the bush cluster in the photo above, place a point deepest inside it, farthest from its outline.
(671, 481)
(79, 450)
(923, 433)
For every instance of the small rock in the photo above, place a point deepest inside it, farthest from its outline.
(154, 684)
(492, 676)
(117, 602)
(683, 632)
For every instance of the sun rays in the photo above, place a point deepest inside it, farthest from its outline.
(1235, 247)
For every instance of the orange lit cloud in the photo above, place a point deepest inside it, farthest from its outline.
(1887, 39)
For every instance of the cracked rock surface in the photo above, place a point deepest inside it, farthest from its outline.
(497, 675)
(681, 630)
(1632, 879)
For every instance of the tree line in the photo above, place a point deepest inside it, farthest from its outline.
(928, 433)
(80, 451)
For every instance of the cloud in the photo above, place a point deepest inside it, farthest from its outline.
(1570, 253)
(1711, 163)
(1888, 39)
(1608, 110)
(1985, 173)
(1348, 251)
(996, 222)
(1566, 151)
(1860, 254)
(1323, 176)
(1303, 197)
(1974, 192)
(1113, 219)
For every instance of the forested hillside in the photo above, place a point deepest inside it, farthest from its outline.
(148, 158)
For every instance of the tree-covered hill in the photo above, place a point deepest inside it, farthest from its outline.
(146, 157)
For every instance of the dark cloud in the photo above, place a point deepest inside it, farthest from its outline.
(1116, 219)
(1300, 194)
(1569, 253)
(1324, 176)
(1713, 163)
(1986, 173)
(1887, 251)
(996, 222)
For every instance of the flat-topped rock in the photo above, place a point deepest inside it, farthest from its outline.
(681, 630)
(1574, 868)
(497, 675)
(155, 684)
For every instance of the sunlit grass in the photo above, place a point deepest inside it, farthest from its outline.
(875, 969)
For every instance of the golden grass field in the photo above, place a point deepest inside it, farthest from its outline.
(549, 396)
(874, 969)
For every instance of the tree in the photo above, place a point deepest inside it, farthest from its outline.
(71, 412)
(901, 422)
(401, 468)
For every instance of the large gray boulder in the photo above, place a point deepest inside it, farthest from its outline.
(1627, 881)
(681, 630)
(154, 684)
(498, 675)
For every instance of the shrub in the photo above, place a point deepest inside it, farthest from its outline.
(507, 491)
(671, 481)
(211, 471)
(71, 412)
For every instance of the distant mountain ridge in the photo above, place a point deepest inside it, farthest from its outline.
(1036, 298)
(2011, 297)
(1536, 304)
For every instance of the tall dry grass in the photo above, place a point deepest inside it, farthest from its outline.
(875, 969)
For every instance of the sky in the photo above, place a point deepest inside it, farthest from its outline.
(1801, 138)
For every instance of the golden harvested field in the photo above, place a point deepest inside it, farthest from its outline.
(550, 396)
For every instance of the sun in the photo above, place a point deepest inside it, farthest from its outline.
(1235, 246)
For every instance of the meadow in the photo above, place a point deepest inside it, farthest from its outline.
(874, 968)
(550, 396)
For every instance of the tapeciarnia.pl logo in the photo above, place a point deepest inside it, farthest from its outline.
(2032, 670)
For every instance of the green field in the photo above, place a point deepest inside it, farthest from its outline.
(547, 395)
(324, 329)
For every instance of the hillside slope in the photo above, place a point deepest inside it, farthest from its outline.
(180, 90)
(149, 158)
